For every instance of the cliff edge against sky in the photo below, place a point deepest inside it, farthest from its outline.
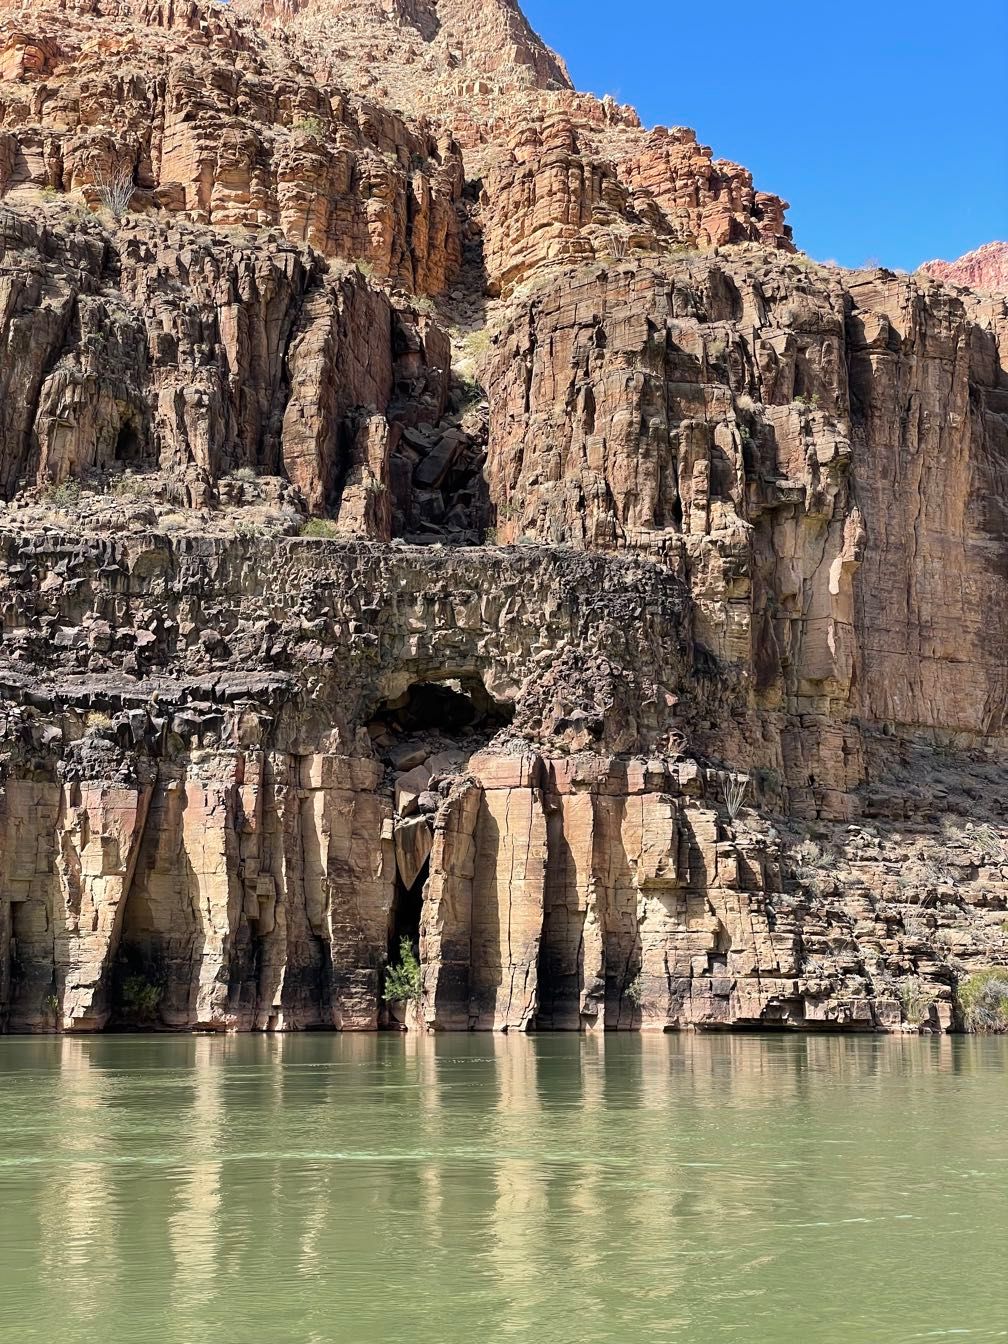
(436, 507)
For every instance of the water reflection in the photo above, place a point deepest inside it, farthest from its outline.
(401, 1188)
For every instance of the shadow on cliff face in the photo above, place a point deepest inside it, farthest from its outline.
(453, 707)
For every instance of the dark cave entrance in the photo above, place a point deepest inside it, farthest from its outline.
(129, 448)
(425, 736)
(451, 707)
(407, 908)
(404, 932)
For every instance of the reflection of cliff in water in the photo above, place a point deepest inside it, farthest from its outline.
(648, 1178)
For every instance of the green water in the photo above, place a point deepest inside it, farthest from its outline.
(475, 1189)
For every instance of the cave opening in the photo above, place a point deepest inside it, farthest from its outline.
(129, 448)
(425, 735)
(451, 707)
(406, 912)
(403, 950)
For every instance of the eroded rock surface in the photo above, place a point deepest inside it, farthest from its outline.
(438, 510)
(985, 267)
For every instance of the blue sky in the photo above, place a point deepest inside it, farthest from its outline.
(885, 124)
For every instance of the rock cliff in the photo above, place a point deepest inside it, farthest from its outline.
(984, 268)
(436, 508)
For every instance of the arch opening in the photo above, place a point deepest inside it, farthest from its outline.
(459, 711)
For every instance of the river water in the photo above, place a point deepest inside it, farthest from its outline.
(475, 1189)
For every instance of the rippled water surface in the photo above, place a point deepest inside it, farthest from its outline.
(476, 1189)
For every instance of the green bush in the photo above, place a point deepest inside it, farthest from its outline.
(915, 998)
(310, 126)
(634, 992)
(65, 496)
(319, 527)
(466, 393)
(983, 998)
(477, 343)
(129, 486)
(140, 997)
(403, 980)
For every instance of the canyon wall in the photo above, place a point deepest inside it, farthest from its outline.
(984, 268)
(437, 510)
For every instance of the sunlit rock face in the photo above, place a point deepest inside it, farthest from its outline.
(984, 268)
(438, 512)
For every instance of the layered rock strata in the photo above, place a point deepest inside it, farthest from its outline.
(621, 628)
(984, 268)
(209, 121)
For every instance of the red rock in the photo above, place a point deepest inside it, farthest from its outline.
(984, 268)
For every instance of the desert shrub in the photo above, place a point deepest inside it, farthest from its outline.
(310, 126)
(66, 495)
(680, 249)
(769, 780)
(319, 527)
(634, 991)
(914, 997)
(131, 486)
(477, 343)
(983, 998)
(403, 979)
(140, 997)
(115, 190)
(808, 854)
(733, 790)
(617, 243)
(466, 393)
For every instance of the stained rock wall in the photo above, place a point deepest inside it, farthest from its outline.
(819, 458)
(162, 349)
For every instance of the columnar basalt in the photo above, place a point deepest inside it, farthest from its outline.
(220, 827)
